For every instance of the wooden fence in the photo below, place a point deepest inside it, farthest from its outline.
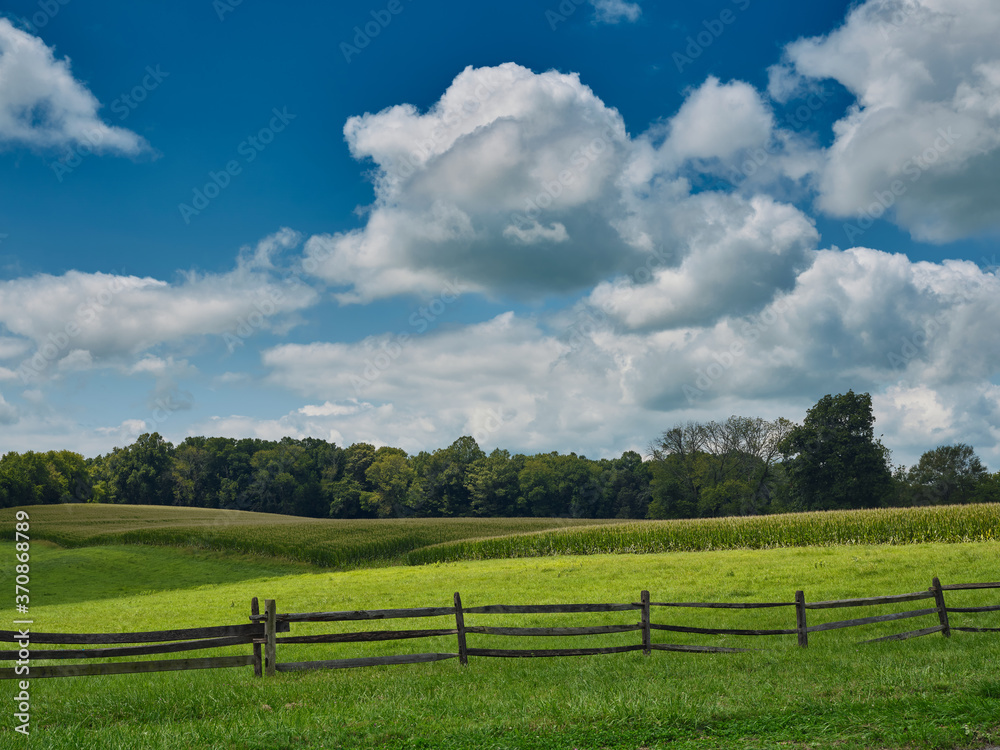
(273, 621)
(262, 634)
(164, 642)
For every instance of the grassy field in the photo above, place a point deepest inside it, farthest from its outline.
(324, 542)
(930, 692)
(364, 543)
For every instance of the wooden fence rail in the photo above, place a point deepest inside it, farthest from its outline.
(162, 642)
(262, 634)
(645, 626)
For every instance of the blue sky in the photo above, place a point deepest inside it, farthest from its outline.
(560, 227)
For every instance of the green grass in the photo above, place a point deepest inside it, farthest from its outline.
(930, 692)
(364, 543)
(324, 542)
(951, 523)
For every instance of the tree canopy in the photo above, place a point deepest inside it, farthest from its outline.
(740, 466)
(833, 459)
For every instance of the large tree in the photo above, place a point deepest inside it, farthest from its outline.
(553, 485)
(492, 482)
(37, 478)
(140, 473)
(390, 476)
(833, 459)
(439, 488)
(948, 474)
(716, 468)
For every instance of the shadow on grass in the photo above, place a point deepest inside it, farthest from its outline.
(69, 576)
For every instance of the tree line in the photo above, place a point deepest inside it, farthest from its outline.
(742, 466)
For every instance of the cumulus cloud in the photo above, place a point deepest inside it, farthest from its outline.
(718, 303)
(84, 320)
(718, 120)
(525, 183)
(11, 348)
(507, 183)
(696, 303)
(43, 106)
(922, 141)
(921, 337)
(737, 255)
(506, 381)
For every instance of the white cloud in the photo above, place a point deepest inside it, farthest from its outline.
(737, 255)
(718, 121)
(921, 337)
(124, 433)
(8, 412)
(525, 183)
(913, 334)
(616, 11)
(924, 134)
(505, 382)
(77, 360)
(697, 304)
(43, 106)
(84, 320)
(726, 306)
(507, 183)
(12, 348)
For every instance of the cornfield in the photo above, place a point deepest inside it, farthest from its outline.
(417, 541)
(948, 523)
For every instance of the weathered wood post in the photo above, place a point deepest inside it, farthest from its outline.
(941, 608)
(644, 599)
(463, 656)
(254, 611)
(800, 619)
(270, 647)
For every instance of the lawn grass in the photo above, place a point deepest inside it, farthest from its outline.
(930, 692)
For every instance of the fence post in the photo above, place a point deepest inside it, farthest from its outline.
(255, 610)
(463, 656)
(800, 618)
(270, 647)
(644, 599)
(941, 608)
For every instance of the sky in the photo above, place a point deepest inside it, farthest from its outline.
(556, 226)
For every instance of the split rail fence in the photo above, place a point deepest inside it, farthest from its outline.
(262, 633)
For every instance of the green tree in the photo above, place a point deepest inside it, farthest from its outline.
(988, 489)
(348, 490)
(625, 487)
(32, 478)
(390, 475)
(727, 498)
(139, 474)
(439, 487)
(275, 487)
(492, 483)
(949, 474)
(717, 468)
(552, 485)
(833, 459)
(194, 474)
(676, 481)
